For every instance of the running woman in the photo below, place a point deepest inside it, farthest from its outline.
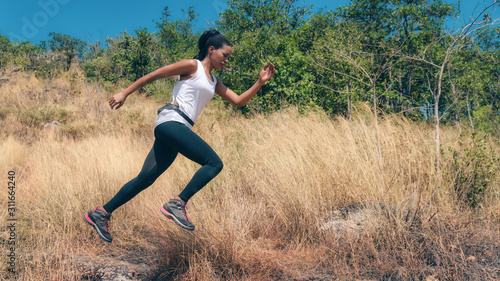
(173, 134)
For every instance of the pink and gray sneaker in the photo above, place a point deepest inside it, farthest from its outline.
(99, 218)
(175, 209)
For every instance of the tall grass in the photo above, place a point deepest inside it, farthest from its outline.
(261, 218)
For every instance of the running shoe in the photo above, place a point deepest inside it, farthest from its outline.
(175, 209)
(99, 218)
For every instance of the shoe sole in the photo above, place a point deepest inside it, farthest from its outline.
(172, 217)
(89, 221)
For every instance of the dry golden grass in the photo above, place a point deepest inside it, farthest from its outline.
(261, 218)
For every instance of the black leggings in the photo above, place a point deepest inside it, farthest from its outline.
(171, 138)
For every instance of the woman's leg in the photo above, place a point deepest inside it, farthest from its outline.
(185, 141)
(189, 144)
(158, 160)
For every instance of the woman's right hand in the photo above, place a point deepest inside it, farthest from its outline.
(117, 100)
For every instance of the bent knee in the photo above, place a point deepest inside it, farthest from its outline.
(216, 165)
(219, 166)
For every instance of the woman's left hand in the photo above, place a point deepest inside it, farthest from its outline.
(266, 72)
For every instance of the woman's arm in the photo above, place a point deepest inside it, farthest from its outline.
(266, 73)
(183, 67)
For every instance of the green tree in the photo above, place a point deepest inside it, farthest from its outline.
(415, 24)
(486, 102)
(363, 63)
(119, 56)
(6, 51)
(264, 31)
(141, 62)
(436, 56)
(282, 17)
(177, 37)
(67, 45)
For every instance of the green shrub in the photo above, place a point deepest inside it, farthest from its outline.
(473, 167)
(77, 130)
(39, 115)
(4, 112)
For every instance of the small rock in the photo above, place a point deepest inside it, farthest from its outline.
(352, 220)
(471, 258)
(129, 266)
(431, 278)
(51, 125)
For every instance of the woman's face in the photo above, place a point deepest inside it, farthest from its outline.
(219, 57)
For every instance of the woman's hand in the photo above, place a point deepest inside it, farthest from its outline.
(117, 100)
(266, 72)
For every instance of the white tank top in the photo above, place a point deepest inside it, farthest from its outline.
(192, 95)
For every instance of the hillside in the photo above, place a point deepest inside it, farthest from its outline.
(302, 195)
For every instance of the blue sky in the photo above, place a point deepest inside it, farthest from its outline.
(92, 20)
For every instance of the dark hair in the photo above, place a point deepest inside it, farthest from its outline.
(210, 38)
